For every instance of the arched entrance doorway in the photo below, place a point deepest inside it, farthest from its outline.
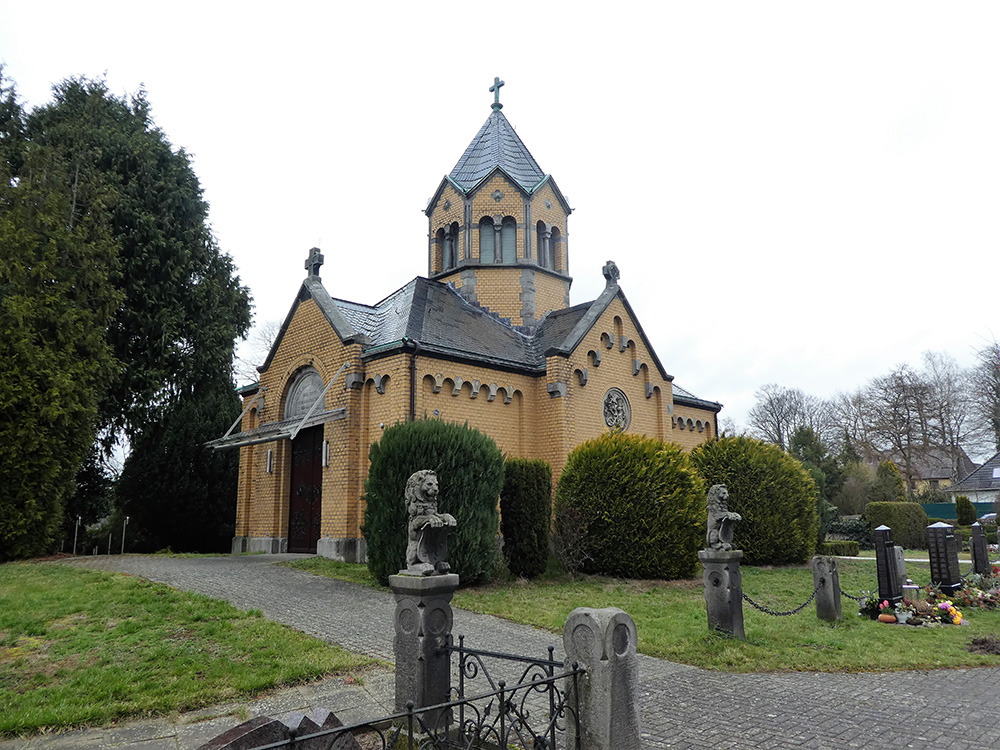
(305, 500)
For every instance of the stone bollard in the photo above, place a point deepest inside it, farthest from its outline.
(603, 642)
(827, 578)
(723, 590)
(423, 627)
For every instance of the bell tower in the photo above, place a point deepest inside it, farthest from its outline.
(497, 227)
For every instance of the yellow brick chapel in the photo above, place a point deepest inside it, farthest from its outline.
(488, 338)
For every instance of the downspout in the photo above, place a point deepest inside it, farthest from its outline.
(413, 377)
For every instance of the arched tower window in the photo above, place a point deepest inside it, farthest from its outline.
(544, 244)
(508, 240)
(449, 255)
(486, 240)
(553, 245)
(441, 247)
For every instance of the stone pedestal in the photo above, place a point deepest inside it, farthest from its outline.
(826, 578)
(603, 642)
(723, 590)
(423, 627)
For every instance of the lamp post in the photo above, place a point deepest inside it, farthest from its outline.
(124, 524)
(76, 528)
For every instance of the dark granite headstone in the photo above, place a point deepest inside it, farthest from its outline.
(943, 548)
(889, 588)
(980, 555)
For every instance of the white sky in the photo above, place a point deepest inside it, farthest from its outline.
(795, 192)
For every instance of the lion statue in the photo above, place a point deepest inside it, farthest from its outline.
(427, 543)
(720, 519)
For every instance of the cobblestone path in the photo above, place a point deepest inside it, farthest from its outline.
(681, 706)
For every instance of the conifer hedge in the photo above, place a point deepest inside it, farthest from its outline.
(965, 511)
(771, 491)
(643, 505)
(525, 515)
(908, 522)
(470, 476)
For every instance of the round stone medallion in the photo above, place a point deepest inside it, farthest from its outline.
(617, 410)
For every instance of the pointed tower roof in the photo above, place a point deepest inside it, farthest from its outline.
(497, 145)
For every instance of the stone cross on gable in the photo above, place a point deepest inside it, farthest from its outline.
(314, 261)
(611, 273)
(495, 88)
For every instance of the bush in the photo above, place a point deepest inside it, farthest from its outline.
(526, 515)
(470, 474)
(773, 493)
(852, 529)
(965, 511)
(640, 502)
(842, 549)
(908, 522)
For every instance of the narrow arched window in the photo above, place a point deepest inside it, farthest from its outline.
(544, 239)
(486, 240)
(508, 240)
(553, 245)
(441, 248)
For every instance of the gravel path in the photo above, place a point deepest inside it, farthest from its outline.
(681, 706)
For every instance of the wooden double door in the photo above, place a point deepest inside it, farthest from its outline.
(305, 505)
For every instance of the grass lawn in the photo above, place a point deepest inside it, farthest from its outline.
(671, 620)
(80, 647)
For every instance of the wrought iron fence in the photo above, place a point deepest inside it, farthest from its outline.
(532, 713)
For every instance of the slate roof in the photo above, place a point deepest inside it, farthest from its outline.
(683, 396)
(497, 145)
(441, 321)
(981, 479)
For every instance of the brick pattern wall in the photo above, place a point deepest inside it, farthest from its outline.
(522, 416)
(439, 218)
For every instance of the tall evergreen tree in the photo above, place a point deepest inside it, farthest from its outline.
(57, 298)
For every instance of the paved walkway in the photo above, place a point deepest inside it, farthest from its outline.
(681, 706)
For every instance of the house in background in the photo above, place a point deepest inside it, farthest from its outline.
(488, 338)
(982, 485)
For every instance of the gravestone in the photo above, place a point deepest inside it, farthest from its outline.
(889, 586)
(826, 580)
(603, 642)
(900, 566)
(943, 548)
(980, 555)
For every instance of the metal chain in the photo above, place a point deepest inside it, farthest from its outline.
(769, 611)
(858, 599)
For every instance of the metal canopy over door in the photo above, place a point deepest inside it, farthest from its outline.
(305, 503)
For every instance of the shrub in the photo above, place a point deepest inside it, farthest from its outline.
(470, 475)
(526, 515)
(773, 493)
(908, 522)
(641, 503)
(851, 529)
(965, 511)
(841, 548)
(889, 485)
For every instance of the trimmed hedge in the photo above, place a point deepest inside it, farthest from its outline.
(842, 549)
(470, 476)
(852, 529)
(771, 491)
(640, 504)
(908, 522)
(526, 515)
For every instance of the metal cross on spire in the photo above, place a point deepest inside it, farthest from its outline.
(495, 88)
(314, 261)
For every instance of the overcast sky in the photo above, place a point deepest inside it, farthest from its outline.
(799, 192)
